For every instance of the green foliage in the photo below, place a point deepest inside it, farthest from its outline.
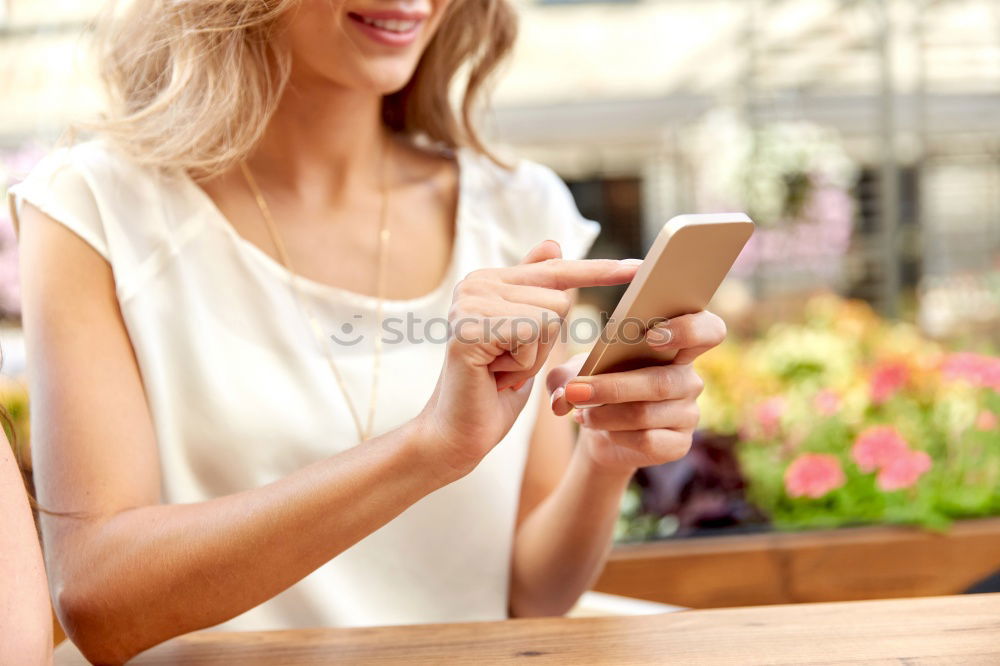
(817, 387)
(14, 400)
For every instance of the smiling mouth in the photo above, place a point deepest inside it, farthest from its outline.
(397, 26)
(390, 30)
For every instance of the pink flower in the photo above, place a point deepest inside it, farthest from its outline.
(878, 446)
(987, 420)
(826, 402)
(768, 414)
(813, 475)
(903, 471)
(975, 369)
(887, 379)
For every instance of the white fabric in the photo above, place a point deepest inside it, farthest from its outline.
(240, 395)
(599, 604)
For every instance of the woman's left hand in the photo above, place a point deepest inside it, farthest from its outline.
(641, 417)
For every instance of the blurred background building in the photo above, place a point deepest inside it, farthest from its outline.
(862, 135)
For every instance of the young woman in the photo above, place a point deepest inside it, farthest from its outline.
(25, 614)
(277, 181)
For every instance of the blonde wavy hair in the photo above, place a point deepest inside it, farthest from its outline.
(192, 84)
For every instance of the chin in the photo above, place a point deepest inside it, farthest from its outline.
(387, 81)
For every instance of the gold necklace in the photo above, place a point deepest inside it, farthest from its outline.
(364, 432)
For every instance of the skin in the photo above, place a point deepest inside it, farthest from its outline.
(131, 572)
(25, 614)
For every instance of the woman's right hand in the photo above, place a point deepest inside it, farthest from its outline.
(503, 324)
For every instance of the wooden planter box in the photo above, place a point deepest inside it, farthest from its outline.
(792, 567)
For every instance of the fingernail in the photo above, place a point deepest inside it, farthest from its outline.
(659, 335)
(578, 392)
(558, 393)
(578, 416)
(631, 262)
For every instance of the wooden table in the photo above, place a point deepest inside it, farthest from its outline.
(934, 630)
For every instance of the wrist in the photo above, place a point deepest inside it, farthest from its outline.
(424, 444)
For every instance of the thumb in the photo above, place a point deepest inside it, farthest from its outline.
(547, 249)
(556, 381)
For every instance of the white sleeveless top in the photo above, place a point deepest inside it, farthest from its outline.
(240, 394)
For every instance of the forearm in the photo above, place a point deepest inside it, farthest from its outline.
(561, 546)
(151, 573)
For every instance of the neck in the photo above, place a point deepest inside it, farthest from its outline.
(322, 138)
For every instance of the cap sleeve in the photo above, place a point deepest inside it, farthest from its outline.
(525, 205)
(556, 216)
(60, 187)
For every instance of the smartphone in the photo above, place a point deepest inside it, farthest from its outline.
(690, 257)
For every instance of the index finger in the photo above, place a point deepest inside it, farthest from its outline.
(572, 273)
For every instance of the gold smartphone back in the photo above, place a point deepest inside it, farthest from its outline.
(681, 272)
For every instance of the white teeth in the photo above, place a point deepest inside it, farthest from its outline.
(392, 25)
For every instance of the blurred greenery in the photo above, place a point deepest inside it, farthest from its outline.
(817, 386)
(14, 399)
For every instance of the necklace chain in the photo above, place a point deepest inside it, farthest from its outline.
(364, 431)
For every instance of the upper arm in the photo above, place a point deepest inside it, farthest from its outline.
(550, 448)
(93, 444)
(552, 214)
(25, 619)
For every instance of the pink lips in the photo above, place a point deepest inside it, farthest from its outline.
(388, 35)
